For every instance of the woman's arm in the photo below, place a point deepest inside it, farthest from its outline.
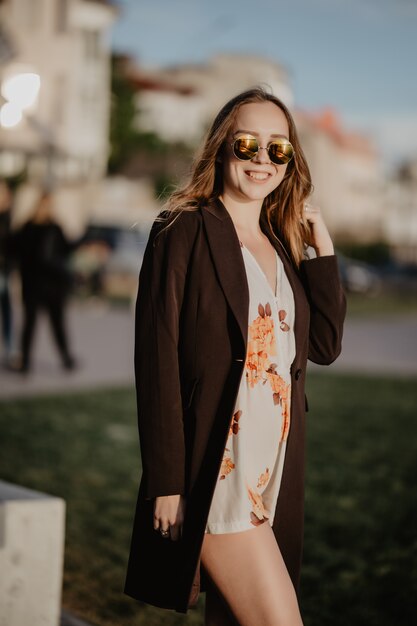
(327, 300)
(322, 282)
(160, 418)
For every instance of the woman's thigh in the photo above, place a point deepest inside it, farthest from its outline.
(216, 610)
(249, 573)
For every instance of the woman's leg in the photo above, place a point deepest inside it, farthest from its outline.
(249, 572)
(216, 610)
(56, 310)
(31, 305)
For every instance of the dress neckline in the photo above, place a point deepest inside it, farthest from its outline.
(261, 270)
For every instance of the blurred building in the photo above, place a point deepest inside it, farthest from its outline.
(180, 102)
(66, 43)
(347, 177)
(400, 208)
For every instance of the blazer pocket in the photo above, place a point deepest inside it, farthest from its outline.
(306, 402)
(189, 397)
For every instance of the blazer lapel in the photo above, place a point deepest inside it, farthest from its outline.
(302, 310)
(228, 260)
(230, 267)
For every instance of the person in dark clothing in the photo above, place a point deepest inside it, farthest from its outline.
(5, 303)
(42, 253)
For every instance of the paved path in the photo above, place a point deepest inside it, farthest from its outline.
(67, 619)
(386, 345)
(103, 341)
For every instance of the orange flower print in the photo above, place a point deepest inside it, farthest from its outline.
(234, 426)
(255, 520)
(226, 466)
(263, 478)
(259, 513)
(283, 325)
(261, 343)
(261, 346)
(285, 418)
(282, 395)
(278, 385)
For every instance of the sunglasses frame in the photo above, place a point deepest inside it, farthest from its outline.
(287, 141)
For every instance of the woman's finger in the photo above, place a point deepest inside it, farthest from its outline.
(175, 532)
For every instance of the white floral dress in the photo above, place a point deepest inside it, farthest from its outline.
(249, 479)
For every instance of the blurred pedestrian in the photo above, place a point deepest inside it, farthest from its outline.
(5, 266)
(229, 308)
(42, 251)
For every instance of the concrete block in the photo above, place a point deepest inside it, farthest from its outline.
(32, 540)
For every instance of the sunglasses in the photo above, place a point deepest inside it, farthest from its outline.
(245, 147)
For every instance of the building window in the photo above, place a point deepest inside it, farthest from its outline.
(90, 104)
(59, 103)
(61, 16)
(30, 13)
(92, 47)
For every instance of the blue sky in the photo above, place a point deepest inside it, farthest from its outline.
(357, 56)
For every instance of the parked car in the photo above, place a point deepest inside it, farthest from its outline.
(108, 260)
(359, 277)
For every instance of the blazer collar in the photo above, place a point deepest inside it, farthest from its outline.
(228, 260)
(230, 267)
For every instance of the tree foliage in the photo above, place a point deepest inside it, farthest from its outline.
(135, 151)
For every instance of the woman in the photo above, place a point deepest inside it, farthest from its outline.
(228, 310)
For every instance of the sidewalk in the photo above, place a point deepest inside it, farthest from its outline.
(103, 341)
(385, 345)
(67, 619)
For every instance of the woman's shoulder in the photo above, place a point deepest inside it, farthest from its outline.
(176, 223)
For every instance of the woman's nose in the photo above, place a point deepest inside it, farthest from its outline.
(262, 156)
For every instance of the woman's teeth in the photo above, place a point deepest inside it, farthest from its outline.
(258, 175)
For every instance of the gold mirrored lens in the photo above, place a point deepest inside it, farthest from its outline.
(245, 148)
(280, 151)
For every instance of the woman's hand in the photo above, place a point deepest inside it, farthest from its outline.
(320, 237)
(168, 514)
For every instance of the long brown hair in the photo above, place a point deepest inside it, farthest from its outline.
(282, 208)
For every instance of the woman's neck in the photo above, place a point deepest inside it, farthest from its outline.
(245, 216)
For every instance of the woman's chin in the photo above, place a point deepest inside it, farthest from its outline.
(256, 193)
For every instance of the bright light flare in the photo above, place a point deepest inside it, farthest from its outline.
(21, 90)
(10, 115)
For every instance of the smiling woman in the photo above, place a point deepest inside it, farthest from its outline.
(257, 158)
(229, 308)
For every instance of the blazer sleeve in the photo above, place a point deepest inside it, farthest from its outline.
(159, 405)
(322, 283)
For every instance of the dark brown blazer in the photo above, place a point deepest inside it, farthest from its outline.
(191, 337)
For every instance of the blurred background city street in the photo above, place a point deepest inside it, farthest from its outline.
(104, 341)
(102, 106)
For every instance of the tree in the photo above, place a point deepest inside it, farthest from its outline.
(123, 110)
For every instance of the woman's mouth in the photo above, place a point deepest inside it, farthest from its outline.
(258, 177)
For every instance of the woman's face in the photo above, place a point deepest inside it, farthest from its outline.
(254, 179)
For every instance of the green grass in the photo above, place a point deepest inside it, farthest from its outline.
(361, 510)
(361, 507)
(383, 304)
